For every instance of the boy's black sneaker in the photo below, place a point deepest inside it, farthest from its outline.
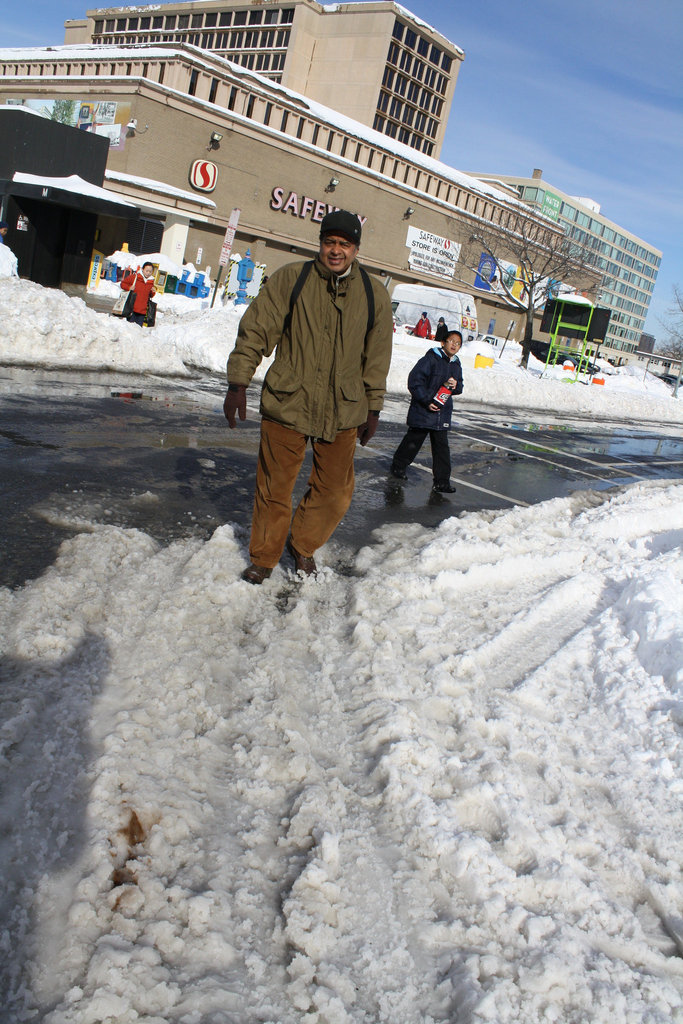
(444, 488)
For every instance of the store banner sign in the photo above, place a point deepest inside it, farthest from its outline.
(499, 276)
(432, 254)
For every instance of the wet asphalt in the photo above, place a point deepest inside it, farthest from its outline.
(157, 455)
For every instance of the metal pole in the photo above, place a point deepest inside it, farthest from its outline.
(215, 287)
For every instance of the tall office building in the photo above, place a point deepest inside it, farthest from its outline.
(629, 265)
(374, 62)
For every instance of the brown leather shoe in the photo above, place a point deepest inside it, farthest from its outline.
(256, 573)
(302, 563)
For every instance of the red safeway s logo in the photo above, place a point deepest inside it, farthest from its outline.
(203, 175)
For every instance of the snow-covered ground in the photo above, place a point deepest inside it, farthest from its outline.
(441, 785)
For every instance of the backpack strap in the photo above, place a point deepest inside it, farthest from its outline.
(370, 295)
(296, 292)
(301, 281)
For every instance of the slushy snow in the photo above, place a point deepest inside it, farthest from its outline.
(443, 785)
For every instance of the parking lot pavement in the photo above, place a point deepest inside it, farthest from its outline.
(158, 456)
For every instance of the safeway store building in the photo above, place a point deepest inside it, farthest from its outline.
(193, 137)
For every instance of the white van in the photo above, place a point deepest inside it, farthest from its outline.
(408, 301)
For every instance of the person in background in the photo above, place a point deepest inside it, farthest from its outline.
(432, 382)
(441, 330)
(140, 282)
(423, 328)
(4, 228)
(326, 385)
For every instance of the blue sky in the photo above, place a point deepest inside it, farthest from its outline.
(591, 92)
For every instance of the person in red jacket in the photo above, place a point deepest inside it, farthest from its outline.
(139, 281)
(423, 328)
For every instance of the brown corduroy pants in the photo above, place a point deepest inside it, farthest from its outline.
(323, 506)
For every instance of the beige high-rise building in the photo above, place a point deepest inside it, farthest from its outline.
(373, 62)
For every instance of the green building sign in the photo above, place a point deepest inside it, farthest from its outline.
(551, 205)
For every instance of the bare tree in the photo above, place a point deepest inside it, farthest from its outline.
(673, 343)
(531, 256)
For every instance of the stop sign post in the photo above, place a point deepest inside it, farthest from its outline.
(226, 248)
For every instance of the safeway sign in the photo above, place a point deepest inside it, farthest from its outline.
(432, 254)
(203, 175)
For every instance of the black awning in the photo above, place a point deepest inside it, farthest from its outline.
(51, 192)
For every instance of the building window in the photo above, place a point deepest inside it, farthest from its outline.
(183, 21)
(406, 61)
(213, 90)
(392, 56)
(410, 38)
(197, 20)
(422, 47)
(287, 16)
(233, 98)
(398, 31)
(144, 235)
(194, 78)
(240, 18)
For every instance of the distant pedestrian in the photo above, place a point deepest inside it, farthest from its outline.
(141, 282)
(441, 330)
(423, 328)
(432, 382)
(4, 228)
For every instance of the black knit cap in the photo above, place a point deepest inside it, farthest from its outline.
(341, 222)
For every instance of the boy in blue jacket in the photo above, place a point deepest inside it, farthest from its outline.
(432, 382)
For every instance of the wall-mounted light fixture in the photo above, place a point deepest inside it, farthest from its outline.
(132, 129)
(214, 141)
(409, 212)
(332, 185)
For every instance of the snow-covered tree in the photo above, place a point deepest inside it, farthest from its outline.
(673, 343)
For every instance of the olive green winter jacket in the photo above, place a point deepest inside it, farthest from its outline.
(326, 374)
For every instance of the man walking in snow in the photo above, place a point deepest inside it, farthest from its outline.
(331, 327)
